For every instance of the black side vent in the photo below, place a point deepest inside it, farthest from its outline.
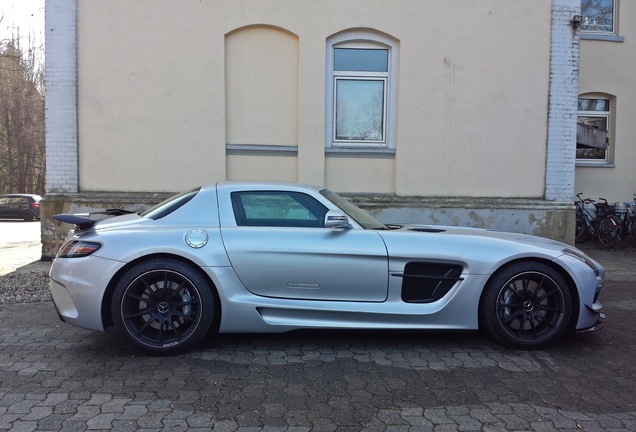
(426, 229)
(428, 282)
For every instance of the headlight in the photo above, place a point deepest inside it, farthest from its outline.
(581, 256)
(78, 249)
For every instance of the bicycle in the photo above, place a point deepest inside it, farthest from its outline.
(627, 225)
(583, 217)
(603, 225)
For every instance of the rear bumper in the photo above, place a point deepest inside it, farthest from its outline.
(77, 286)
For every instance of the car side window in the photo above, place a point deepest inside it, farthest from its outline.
(277, 209)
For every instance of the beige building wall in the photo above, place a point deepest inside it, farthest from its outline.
(261, 86)
(246, 167)
(166, 87)
(607, 70)
(151, 110)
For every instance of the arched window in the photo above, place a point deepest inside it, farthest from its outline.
(594, 128)
(361, 90)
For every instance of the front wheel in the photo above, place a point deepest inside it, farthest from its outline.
(163, 306)
(526, 305)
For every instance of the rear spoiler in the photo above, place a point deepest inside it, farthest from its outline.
(87, 220)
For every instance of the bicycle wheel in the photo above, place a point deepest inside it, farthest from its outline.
(627, 230)
(609, 230)
(582, 230)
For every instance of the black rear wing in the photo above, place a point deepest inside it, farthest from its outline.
(85, 221)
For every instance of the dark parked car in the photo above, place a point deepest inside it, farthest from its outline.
(20, 206)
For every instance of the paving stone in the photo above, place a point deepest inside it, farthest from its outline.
(54, 377)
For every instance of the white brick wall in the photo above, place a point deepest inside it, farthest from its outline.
(61, 96)
(564, 87)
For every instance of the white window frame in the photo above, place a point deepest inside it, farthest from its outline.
(364, 40)
(346, 76)
(607, 115)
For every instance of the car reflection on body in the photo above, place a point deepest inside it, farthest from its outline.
(274, 257)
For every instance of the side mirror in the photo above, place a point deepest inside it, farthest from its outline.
(336, 219)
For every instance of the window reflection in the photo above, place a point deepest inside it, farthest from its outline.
(361, 60)
(592, 129)
(598, 16)
(359, 110)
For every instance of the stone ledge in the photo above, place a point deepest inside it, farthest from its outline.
(54, 232)
(552, 219)
(390, 200)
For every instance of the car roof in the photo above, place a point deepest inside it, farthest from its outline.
(22, 195)
(264, 185)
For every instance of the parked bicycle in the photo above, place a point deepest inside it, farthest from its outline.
(602, 225)
(627, 221)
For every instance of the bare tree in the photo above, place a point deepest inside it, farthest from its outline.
(22, 158)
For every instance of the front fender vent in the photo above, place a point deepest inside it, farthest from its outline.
(428, 282)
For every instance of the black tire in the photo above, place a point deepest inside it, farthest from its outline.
(163, 306)
(629, 231)
(526, 305)
(27, 216)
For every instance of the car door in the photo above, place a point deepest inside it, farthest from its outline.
(10, 207)
(4, 205)
(21, 205)
(280, 248)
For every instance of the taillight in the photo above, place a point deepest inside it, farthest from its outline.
(78, 249)
(35, 205)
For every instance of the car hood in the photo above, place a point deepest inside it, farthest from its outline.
(486, 234)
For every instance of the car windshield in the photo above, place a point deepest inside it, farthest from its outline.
(364, 219)
(166, 207)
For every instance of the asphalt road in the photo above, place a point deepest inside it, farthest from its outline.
(20, 244)
(57, 377)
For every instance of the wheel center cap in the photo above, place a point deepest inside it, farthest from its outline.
(163, 307)
(528, 306)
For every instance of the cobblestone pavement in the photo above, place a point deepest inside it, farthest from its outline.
(56, 377)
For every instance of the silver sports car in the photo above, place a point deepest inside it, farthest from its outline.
(274, 257)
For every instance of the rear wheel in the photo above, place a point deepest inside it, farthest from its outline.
(627, 230)
(609, 230)
(526, 305)
(582, 231)
(163, 306)
(27, 216)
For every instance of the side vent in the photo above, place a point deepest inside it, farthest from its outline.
(428, 282)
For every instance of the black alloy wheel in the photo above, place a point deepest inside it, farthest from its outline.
(163, 306)
(527, 305)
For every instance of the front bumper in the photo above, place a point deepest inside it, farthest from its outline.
(597, 308)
